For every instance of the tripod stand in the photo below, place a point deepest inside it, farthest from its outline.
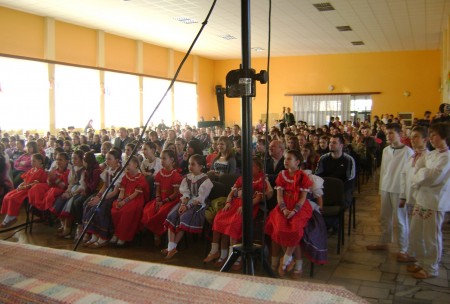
(241, 83)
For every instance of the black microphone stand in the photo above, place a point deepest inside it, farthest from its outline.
(247, 250)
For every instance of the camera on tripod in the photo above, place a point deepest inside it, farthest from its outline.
(241, 83)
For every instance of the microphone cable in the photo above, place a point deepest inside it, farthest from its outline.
(266, 133)
(111, 185)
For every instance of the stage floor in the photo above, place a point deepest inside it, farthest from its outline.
(34, 274)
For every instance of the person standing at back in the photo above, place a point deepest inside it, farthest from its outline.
(123, 139)
(289, 118)
(395, 157)
(432, 200)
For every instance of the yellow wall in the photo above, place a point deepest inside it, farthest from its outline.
(156, 60)
(120, 53)
(187, 72)
(75, 44)
(21, 34)
(390, 73)
(205, 89)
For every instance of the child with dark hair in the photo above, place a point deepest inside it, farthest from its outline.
(189, 214)
(23, 163)
(126, 210)
(395, 157)
(151, 164)
(193, 147)
(286, 222)
(167, 182)
(100, 228)
(42, 196)
(90, 182)
(63, 204)
(228, 221)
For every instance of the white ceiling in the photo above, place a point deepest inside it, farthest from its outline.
(298, 28)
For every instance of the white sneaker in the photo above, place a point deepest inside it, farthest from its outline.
(114, 239)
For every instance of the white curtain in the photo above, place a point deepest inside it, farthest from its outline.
(316, 110)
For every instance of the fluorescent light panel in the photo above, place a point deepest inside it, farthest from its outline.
(185, 20)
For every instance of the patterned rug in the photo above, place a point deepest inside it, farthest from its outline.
(32, 274)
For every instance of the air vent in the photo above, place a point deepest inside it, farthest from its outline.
(358, 42)
(323, 7)
(344, 28)
(186, 20)
(227, 37)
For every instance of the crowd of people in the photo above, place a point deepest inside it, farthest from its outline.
(166, 185)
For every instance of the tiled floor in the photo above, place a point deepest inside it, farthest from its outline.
(376, 276)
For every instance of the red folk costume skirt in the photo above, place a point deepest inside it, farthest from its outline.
(153, 219)
(126, 219)
(42, 196)
(288, 232)
(12, 201)
(229, 222)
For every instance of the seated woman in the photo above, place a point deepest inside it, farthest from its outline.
(193, 147)
(310, 158)
(225, 162)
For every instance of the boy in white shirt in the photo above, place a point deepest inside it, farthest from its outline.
(395, 157)
(432, 181)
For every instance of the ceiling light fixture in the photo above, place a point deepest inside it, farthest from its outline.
(323, 7)
(257, 49)
(185, 20)
(358, 43)
(344, 28)
(227, 37)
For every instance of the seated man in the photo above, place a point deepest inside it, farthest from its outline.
(274, 165)
(339, 165)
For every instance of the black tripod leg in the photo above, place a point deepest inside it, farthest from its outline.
(230, 261)
(248, 266)
(268, 269)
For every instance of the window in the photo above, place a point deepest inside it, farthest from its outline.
(121, 100)
(317, 110)
(185, 103)
(361, 103)
(24, 95)
(154, 90)
(77, 97)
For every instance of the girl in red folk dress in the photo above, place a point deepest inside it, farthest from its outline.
(228, 221)
(167, 182)
(286, 222)
(126, 211)
(14, 199)
(42, 196)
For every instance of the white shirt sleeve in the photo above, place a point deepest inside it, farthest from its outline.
(203, 191)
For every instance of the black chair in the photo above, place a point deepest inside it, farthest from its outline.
(334, 205)
(228, 180)
(349, 187)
